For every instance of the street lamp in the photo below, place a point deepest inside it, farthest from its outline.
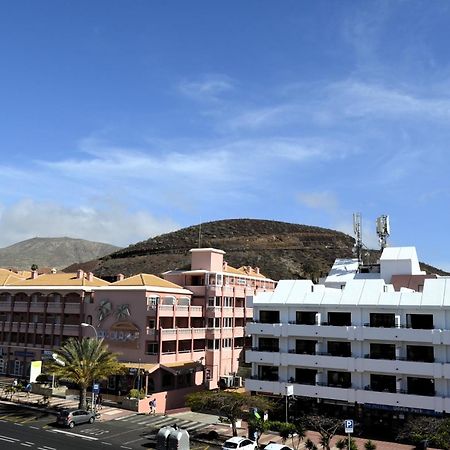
(84, 324)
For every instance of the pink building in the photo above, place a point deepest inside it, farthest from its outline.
(176, 335)
(221, 291)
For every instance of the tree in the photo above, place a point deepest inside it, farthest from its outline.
(325, 426)
(369, 445)
(82, 361)
(432, 429)
(231, 405)
(34, 267)
(342, 444)
(309, 445)
(294, 431)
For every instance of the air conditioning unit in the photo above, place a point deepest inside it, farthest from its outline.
(227, 381)
(237, 382)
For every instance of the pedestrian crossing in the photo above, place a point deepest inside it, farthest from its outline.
(159, 421)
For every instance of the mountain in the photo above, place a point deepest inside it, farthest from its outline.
(52, 252)
(281, 250)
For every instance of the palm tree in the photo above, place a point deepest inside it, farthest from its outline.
(82, 361)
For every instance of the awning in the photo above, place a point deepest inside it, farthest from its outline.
(178, 368)
(147, 367)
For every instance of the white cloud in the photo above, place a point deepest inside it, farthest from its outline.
(208, 88)
(112, 224)
(326, 201)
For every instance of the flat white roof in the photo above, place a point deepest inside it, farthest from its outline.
(356, 293)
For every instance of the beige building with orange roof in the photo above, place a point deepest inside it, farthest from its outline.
(37, 313)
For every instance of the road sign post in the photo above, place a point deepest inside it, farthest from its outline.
(348, 425)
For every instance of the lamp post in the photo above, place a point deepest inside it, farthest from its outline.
(84, 324)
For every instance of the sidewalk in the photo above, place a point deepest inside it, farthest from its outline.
(55, 404)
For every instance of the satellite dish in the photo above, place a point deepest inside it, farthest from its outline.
(55, 356)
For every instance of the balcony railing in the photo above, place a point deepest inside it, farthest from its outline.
(266, 349)
(399, 391)
(397, 358)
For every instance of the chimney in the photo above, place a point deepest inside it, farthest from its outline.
(225, 266)
(257, 270)
(80, 274)
(120, 276)
(90, 276)
(34, 274)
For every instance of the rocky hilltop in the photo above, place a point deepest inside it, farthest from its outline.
(52, 252)
(279, 249)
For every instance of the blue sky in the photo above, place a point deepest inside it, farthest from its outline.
(120, 120)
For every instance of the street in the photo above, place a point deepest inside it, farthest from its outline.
(20, 427)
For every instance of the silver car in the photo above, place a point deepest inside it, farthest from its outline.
(71, 417)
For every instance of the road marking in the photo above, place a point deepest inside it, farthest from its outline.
(18, 424)
(106, 443)
(35, 428)
(7, 437)
(74, 434)
(26, 445)
(49, 448)
(123, 446)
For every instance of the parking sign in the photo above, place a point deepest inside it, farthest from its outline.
(348, 426)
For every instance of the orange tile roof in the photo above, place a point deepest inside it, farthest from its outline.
(145, 279)
(62, 279)
(8, 277)
(244, 270)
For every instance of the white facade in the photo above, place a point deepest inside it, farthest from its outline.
(364, 343)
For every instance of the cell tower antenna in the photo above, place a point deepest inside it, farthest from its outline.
(383, 230)
(200, 236)
(357, 230)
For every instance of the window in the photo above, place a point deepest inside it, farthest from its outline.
(339, 349)
(152, 301)
(226, 343)
(151, 323)
(227, 322)
(268, 345)
(269, 316)
(339, 319)
(305, 317)
(339, 379)
(228, 302)
(305, 376)
(305, 347)
(383, 383)
(382, 351)
(420, 321)
(382, 320)
(152, 348)
(211, 301)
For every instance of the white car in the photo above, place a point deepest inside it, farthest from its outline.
(239, 443)
(273, 446)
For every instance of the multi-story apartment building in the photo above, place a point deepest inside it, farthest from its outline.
(222, 292)
(172, 336)
(369, 341)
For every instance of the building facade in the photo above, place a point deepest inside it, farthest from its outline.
(177, 334)
(367, 340)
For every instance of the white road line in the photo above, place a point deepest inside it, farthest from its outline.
(105, 443)
(8, 440)
(18, 424)
(49, 448)
(26, 445)
(68, 433)
(35, 428)
(11, 438)
(123, 446)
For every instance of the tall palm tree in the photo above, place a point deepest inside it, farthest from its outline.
(82, 361)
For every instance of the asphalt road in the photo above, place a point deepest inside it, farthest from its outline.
(37, 430)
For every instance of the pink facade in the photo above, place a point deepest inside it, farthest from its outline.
(178, 334)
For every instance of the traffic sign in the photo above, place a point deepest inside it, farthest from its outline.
(348, 425)
(96, 388)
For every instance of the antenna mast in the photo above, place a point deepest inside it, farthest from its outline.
(383, 230)
(357, 230)
(200, 236)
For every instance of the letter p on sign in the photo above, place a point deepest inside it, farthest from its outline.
(348, 426)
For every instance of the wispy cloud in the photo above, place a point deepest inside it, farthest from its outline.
(326, 201)
(207, 88)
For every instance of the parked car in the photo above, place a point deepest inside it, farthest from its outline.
(274, 446)
(239, 443)
(71, 417)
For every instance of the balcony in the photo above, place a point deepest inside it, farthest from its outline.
(351, 395)
(171, 334)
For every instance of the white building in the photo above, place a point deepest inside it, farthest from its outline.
(379, 340)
